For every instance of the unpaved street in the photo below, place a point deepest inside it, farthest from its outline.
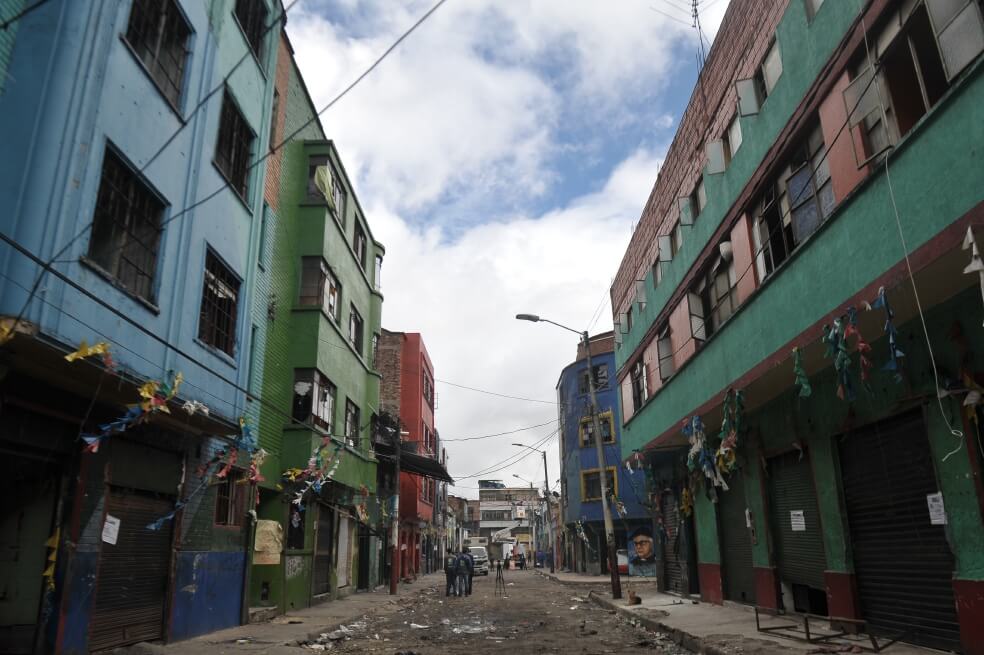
(536, 615)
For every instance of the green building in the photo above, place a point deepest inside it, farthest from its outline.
(809, 243)
(317, 319)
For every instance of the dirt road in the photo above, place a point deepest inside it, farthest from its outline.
(536, 615)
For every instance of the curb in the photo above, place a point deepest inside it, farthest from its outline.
(581, 583)
(686, 640)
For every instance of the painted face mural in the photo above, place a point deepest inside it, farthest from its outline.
(642, 553)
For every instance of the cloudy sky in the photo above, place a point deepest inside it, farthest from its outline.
(502, 154)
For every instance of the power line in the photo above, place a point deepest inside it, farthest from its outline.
(509, 461)
(499, 434)
(47, 266)
(493, 393)
(23, 12)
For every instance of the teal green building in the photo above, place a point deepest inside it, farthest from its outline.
(799, 318)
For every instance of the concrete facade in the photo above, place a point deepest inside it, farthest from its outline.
(829, 262)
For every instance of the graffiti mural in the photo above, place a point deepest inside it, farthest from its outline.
(642, 553)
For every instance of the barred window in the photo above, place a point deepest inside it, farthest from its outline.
(252, 17)
(314, 398)
(355, 329)
(351, 423)
(234, 147)
(126, 227)
(319, 286)
(220, 303)
(230, 499)
(158, 34)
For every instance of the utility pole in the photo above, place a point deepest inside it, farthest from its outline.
(395, 519)
(602, 475)
(546, 485)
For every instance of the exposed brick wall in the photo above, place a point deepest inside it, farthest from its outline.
(741, 43)
(390, 364)
(285, 61)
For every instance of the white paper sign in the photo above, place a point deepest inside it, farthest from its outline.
(937, 513)
(111, 529)
(797, 520)
(748, 518)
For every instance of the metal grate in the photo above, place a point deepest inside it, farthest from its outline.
(736, 542)
(126, 227)
(234, 147)
(158, 34)
(220, 301)
(252, 15)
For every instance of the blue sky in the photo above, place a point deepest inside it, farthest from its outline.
(502, 154)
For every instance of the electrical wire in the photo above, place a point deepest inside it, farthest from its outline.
(23, 12)
(493, 393)
(499, 434)
(509, 461)
(47, 266)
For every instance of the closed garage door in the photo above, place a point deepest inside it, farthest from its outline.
(671, 551)
(324, 539)
(736, 546)
(133, 572)
(796, 530)
(902, 561)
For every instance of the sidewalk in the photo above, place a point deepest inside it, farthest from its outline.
(569, 578)
(303, 624)
(730, 629)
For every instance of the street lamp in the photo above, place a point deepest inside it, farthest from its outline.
(599, 449)
(522, 478)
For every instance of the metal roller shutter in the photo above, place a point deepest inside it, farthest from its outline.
(799, 546)
(323, 550)
(132, 584)
(903, 563)
(736, 547)
(671, 551)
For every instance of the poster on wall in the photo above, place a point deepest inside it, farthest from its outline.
(642, 553)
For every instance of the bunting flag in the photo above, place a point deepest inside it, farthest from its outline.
(732, 424)
(975, 265)
(894, 352)
(49, 571)
(686, 503)
(701, 457)
(193, 407)
(833, 336)
(803, 382)
(84, 350)
(862, 346)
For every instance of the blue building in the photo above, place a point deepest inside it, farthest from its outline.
(584, 542)
(132, 137)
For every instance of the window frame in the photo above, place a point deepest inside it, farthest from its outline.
(232, 488)
(209, 328)
(120, 236)
(601, 380)
(234, 166)
(357, 328)
(352, 432)
(329, 290)
(323, 408)
(585, 429)
(150, 57)
(253, 26)
(640, 385)
(360, 244)
(612, 475)
(664, 352)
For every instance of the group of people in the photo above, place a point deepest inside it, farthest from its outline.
(458, 572)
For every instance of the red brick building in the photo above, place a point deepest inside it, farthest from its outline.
(408, 392)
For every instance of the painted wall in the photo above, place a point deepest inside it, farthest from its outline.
(574, 406)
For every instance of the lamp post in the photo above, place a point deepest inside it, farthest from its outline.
(599, 449)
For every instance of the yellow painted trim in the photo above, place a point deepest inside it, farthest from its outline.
(614, 477)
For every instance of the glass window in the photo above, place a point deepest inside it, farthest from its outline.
(319, 286)
(220, 305)
(234, 146)
(355, 329)
(772, 67)
(351, 423)
(314, 398)
(664, 351)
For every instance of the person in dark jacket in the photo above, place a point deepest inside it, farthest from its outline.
(450, 573)
(462, 571)
(471, 570)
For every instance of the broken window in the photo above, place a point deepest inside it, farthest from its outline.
(733, 138)
(351, 423)
(591, 484)
(359, 244)
(698, 329)
(605, 422)
(355, 329)
(158, 34)
(126, 227)
(718, 296)
(314, 398)
(252, 16)
(234, 146)
(664, 352)
(220, 305)
(319, 286)
(640, 389)
(657, 271)
(676, 239)
(600, 379)
(753, 91)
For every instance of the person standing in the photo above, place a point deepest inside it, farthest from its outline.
(471, 569)
(461, 574)
(450, 573)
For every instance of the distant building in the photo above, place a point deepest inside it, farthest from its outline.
(584, 542)
(507, 508)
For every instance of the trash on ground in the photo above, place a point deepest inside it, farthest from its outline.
(417, 626)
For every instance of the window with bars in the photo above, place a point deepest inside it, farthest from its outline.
(158, 34)
(375, 350)
(314, 398)
(356, 329)
(252, 17)
(234, 146)
(586, 431)
(351, 423)
(230, 499)
(126, 227)
(220, 305)
(360, 245)
(428, 383)
(319, 286)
